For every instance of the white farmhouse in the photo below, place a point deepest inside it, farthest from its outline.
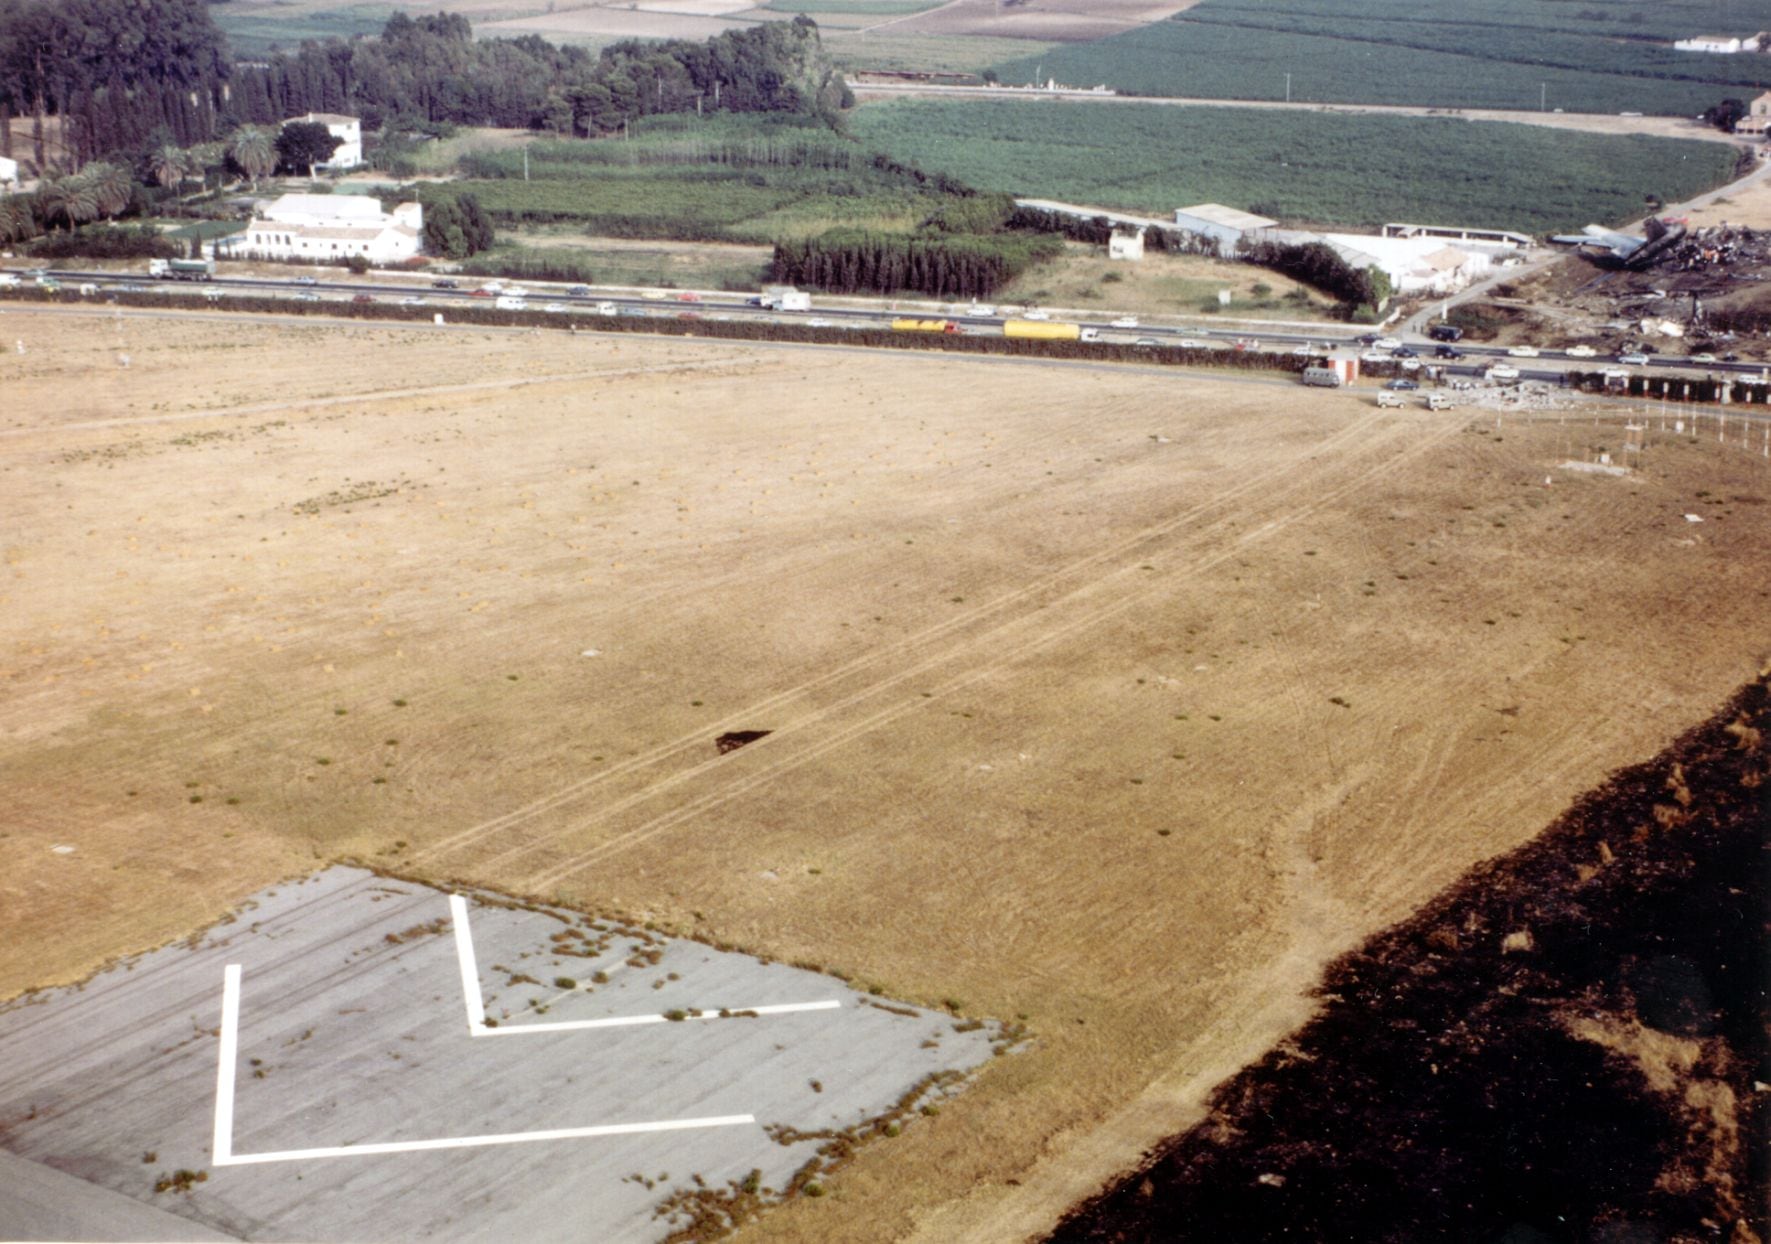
(1224, 226)
(8, 174)
(349, 132)
(1415, 265)
(1725, 45)
(325, 227)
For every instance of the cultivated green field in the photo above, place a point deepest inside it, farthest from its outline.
(725, 178)
(1593, 57)
(1298, 167)
(254, 32)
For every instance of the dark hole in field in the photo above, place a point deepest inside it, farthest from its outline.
(732, 740)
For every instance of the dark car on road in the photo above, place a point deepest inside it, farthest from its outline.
(1403, 352)
(445, 283)
(1447, 352)
(1402, 384)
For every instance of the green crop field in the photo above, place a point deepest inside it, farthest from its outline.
(254, 32)
(1590, 57)
(731, 178)
(1347, 170)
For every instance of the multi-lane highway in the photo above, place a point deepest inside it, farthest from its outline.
(580, 302)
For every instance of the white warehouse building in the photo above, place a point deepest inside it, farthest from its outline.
(1225, 226)
(1415, 265)
(349, 132)
(326, 227)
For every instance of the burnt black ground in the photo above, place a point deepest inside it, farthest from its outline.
(1442, 1092)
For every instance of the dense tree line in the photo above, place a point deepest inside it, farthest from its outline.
(941, 264)
(1098, 229)
(455, 225)
(1316, 264)
(115, 73)
(431, 70)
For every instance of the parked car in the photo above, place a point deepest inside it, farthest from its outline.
(1125, 321)
(556, 306)
(412, 300)
(1634, 358)
(1387, 343)
(1401, 384)
(1501, 371)
(1374, 356)
(444, 282)
(605, 308)
(1580, 352)
(1410, 364)
(1523, 352)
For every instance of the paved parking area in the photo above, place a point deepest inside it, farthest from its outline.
(355, 1058)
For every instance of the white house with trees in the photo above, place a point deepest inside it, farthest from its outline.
(322, 228)
(348, 131)
(8, 174)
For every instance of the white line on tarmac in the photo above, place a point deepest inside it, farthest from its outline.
(223, 1144)
(570, 1025)
(475, 1142)
(470, 971)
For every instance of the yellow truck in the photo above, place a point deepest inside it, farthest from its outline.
(924, 326)
(1041, 330)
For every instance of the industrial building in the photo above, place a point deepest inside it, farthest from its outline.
(1228, 228)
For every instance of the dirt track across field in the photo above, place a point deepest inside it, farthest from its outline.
(1117, 700)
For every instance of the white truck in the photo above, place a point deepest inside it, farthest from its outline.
(1437, 401)
(182, 269)
(1386, 398)
(511, 302)
(785, 298)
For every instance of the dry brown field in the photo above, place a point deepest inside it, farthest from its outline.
(1061, 21)
(1111, 700)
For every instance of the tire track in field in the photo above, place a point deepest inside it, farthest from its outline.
(998, 640)
(1357, 431)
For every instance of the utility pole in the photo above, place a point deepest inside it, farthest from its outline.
(1288, 88)
(525, 162)
(1543, 96)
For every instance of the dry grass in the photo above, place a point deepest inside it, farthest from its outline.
(1062, 21)
(1052, 699)
(1161, 284)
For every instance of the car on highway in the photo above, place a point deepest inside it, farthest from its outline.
(412, 300)
(688, 295)
(605, 308)
(1374, 356)
(979, 310)
(817, 321)
(1387, 343)
(307, 295)
(1401, 384)
(578, 291)
(1146, 343)
(1705, 357)
(1034, 313)
(305, 280)
(130, 287)
(1523, 352)
(1403, 352)
(1366, 339)
(1501, 371)
(1125, 321)
(1191, 343)
(1580, 352)
(1447, 352)
(1409, 364)
(444, 282)
(1635, 358)
(483, 293)
(491, 287)
(556, 306)
(1306, 350)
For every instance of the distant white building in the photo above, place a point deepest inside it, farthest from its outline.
(1415, 265)
(325, 227)
(1724, 45)
(349, 132)
(1226, 227)
(8, 174)
(1126, 243)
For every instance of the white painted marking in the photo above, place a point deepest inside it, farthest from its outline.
(470, 970)
(223, 1144)
(476, 1006)
(624, 1021)
(475, 1142)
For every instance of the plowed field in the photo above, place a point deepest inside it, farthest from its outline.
(1113, 701)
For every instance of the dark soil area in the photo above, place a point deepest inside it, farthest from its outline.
(1568, 1045)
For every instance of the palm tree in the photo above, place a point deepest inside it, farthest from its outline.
(112, 187)
(169, 165)
(252, 149)
(17, 220)
(70, 200)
